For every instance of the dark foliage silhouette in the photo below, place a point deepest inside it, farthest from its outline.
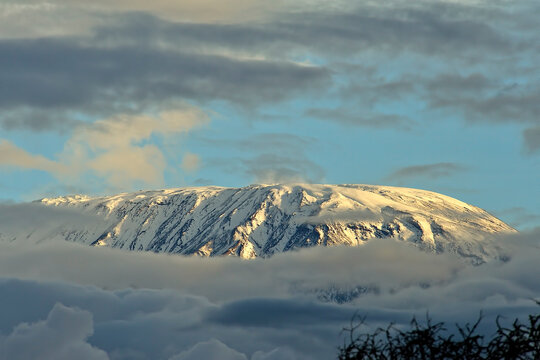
(433, 341)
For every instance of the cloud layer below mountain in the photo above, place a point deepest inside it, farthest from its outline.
(95, 303)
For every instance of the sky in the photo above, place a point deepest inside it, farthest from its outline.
(104, 98)
(101, 97)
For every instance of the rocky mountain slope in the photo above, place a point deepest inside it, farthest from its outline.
(261, 220)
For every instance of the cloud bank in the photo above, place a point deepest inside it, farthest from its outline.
(131, 58)
(153, 306)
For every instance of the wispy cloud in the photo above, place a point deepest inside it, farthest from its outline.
(431, 171)
(373, 120)
(270, 158)
(480, 98)
(113, 149)
(12, 156)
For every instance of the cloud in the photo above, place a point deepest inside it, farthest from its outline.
(134, 61)
(255, 308)
(431, 171)
(368, 87)
(115, 149)
(62, 336)
(273, 169)
(38, 120)
(483, 96)
(190, 162)
(430, 22)
(486, 99)
(280, 313)
(160, 324)
(435, 29)
(40, 220)
(27, 18)
(211, 349)
(12, 156)
(35, 18)
(379, 262)
(102, 79)
(340, 115)
(273, 158)
(187, 10)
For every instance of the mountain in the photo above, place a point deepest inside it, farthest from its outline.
(261, 220)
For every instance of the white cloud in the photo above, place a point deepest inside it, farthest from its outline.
(15, 157)
(119, 150)
(378, 263)
(42, 222)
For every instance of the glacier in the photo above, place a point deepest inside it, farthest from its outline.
(262, 220)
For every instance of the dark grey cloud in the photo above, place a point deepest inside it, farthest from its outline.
(487, 96)
(368, 88)
(84, 75)
(433, 29)
(135, 61)
(37, 119)
(487, 99)
(160, 324)
(279, 313)
(431, 171)
(481, 98)
(49, 73)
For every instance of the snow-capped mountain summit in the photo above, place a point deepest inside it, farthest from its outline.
(261, 220)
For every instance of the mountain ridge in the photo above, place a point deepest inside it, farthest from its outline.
(261, 220)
